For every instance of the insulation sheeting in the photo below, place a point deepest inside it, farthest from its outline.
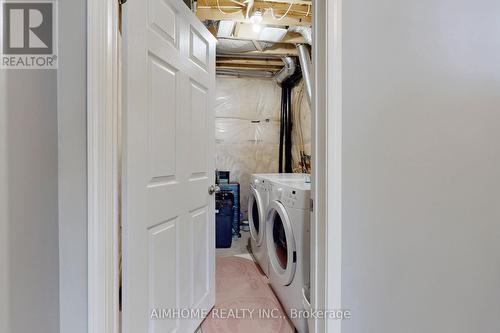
(247, 126)
(247, 98)
(234, 46)
(302, 126)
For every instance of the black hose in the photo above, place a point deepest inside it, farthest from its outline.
(288, 132)
(282, 131)
(286, 123)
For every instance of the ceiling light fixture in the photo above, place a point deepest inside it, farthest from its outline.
(256, 19)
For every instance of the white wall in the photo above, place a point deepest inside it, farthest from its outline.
(4, 214)
(29, 186)
(72, 118)
(421, 166)
(43, 261)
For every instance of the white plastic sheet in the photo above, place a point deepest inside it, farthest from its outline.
(301, 131)
(247, 126)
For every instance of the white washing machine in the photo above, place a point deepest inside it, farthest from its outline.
(258, 202)
(287, 235)
(286, 177)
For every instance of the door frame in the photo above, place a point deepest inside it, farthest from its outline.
(326, 264)
(103, 166)
(104, 178)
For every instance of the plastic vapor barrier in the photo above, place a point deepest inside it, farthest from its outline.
(247, 129)
(301, 131)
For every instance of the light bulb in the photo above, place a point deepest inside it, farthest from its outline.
(256, 17)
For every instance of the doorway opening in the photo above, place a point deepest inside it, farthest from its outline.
(263, 146)
(257, 78)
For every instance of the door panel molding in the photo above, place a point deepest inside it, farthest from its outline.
(169, 164)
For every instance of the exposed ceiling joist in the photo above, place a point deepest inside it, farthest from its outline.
(268, 3)
(249, 61)
(278, 50)
(238, 73)
(249, 68)
(258, 56)
(236, 2)
(253, 65)
(279, 9)
(280, 13)
(257, 45)
(298, 2)
(205, 14)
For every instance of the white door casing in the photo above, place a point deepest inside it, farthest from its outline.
(169, 162)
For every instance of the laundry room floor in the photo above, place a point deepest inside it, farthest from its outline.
(238, 247)
(243, 288)
(245, 302)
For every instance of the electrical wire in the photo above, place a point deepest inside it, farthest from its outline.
(270, 8)
(299, 95)
(303, 164)
(287, 11)
(284, 15)
(223, 12)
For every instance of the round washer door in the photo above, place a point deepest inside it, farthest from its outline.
(256, 216)
(281, 243)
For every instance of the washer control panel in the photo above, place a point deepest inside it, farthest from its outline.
(290, 196)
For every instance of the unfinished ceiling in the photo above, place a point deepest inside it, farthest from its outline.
(298, 12)
(255, 35)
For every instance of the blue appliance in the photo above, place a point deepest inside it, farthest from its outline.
(224, 206)
(234, 189)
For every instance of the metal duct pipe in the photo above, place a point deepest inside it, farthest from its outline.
(305, 65)
(286, 71)
(306, 32)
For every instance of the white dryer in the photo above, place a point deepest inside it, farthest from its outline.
(287, 235)
(258, 202)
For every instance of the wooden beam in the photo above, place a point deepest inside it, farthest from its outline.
(298, 2)
(212, 30)
(276, 51)
(233, 5)
(280, 9)
(250, 68)
(257, 45)
(249, 61)
(237, 3)
(205, 13)
(269, 3)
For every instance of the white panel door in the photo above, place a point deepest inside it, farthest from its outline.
(169, 231)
